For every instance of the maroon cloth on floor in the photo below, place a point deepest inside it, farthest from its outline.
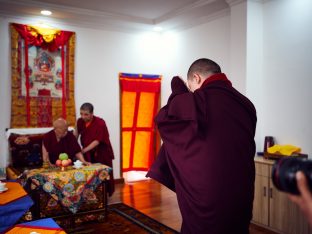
(68, 144)
(207, 157)
(103, 152)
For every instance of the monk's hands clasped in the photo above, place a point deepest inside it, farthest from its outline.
(178, 85)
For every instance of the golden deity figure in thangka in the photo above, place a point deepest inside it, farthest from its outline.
(44, 63)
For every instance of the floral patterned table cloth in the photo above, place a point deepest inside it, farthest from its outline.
(72, 186)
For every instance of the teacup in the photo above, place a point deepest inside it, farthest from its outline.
(78, 163)
(2, 186)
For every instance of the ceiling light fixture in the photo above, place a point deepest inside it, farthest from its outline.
(46, 12)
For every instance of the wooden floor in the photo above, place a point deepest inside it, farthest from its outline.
(158, 202)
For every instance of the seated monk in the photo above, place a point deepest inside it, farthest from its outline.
(60, 140)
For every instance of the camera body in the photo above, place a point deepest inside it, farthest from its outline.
(284, 173)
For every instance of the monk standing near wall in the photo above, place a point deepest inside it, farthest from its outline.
(208, 150)
(94, 138)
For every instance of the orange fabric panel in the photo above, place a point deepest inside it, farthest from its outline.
(127, 108)
(145, 113)
(139, 104)
(141, 149)
(126, 145)
(27, 230)
(15, 191)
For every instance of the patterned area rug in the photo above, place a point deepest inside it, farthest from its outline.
(123, 219)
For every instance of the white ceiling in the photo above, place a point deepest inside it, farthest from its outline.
(120, 15)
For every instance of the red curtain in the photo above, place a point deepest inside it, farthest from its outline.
(139, 104)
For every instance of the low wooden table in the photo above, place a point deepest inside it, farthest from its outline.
(70, 193)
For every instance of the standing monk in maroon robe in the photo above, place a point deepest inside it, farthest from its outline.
(95, 140)
(208, 150)
(58, 141)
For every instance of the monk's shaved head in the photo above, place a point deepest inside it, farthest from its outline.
(60, 127)
(204, 67)
(60, 123)
(199, 71)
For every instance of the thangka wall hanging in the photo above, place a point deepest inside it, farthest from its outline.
(42, 76)
(140, 101)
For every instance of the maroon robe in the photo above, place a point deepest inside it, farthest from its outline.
(207, 156)
(68, 144)
(103, 152)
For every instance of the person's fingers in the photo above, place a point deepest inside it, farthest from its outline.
(294, 198)
(297, 200)
(303, 187)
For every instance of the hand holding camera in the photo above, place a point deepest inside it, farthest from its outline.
(304, 200)
(284, 173)
(294, 175)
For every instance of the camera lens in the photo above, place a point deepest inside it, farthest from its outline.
(284, 173)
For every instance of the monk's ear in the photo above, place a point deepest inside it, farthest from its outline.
(197, 78)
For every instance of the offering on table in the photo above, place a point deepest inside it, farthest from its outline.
(63, 161)
(77, 164)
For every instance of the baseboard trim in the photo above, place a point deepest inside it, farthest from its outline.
(119, 181)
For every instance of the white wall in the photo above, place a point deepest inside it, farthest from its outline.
(101, 55)
(211, 40)
(254, 62)
(5, 89)
(287, 82)
(238, 48)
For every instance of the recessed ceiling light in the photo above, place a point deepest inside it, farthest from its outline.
(46, 12)
(158, 29)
